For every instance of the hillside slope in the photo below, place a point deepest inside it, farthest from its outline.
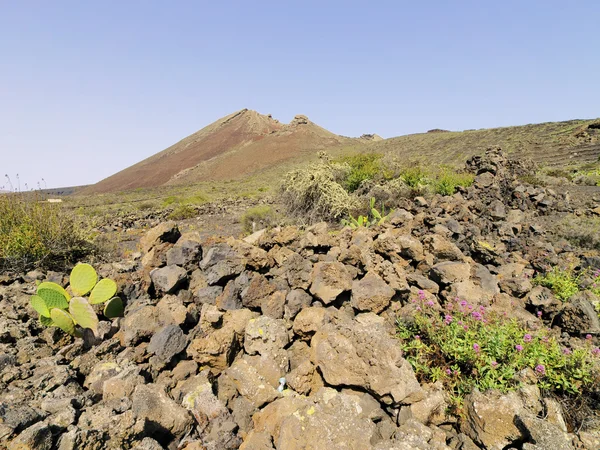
(548, 144)
(236, 145)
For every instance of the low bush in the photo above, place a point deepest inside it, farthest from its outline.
(33, 231)
(182, 212)
(563, 282)
(362, 167)
(448, 180)
(415, 177)
(258, 217)
(313, 195)
(467, 347)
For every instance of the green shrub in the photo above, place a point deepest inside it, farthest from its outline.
(415, 177)
(56, 307)
(313, 195)
(168, 201)
(35, 232)
(562, 282)
(467, 347)
(258, 217)
(182, 212)
(363, 166)
(448, 180)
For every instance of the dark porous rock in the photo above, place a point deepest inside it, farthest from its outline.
(184, 252)
(208, 294)
(168, 279)
(295, 301)
(167, 342)
(221, 262)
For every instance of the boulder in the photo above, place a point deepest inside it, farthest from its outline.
(449, 272)
(162, 415)
(167, 279)
(166, 232)
(490, 418)
(371, 293)
(167, 342)
(362, 353)
(329, 280)
(579, 316)
(221, 262)
(250, 384)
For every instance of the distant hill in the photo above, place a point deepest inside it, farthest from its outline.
(246, 143)
(239, 144)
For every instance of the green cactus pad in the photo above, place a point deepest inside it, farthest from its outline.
(103, 291)
(83, 314)
(83, 279)
(55, 287)
(114, 308)
(47, 321)
(62, 320)
(53, 299)
(39, 305)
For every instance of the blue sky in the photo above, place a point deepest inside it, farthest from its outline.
(91, 87)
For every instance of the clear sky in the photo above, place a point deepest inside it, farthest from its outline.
(88, 88)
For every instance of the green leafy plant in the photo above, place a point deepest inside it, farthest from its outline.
(58, 308)
(466, 347)
(415, 177)
(363, 166)
(374, 217)
(563, 282)
(447, 181)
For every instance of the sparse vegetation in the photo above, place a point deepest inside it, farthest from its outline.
(447, 181)
(465, 347)
(373, 217)
(33, 231)
(563, 282)
(182, 212)
(258, 217)
(581, 231)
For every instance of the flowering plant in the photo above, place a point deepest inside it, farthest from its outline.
(466, 346)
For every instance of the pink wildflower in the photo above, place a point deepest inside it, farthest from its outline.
(494, 364)
(476, 348)
(519, 347)
(430, 303)
(596, 351)
(539, 314)
(540, 369)
(527, 338)
(588, 336)
(421, 294)
(566, 351)
(447, 319)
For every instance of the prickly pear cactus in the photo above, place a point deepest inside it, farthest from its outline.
(83, 279)
(56, 308)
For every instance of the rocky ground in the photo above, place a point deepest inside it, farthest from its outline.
(285, 340)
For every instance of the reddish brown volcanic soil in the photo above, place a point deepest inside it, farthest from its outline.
(236, 145)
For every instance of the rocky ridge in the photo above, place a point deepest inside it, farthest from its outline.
(285, 340)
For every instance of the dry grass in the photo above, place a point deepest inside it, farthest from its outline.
(33, 231)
